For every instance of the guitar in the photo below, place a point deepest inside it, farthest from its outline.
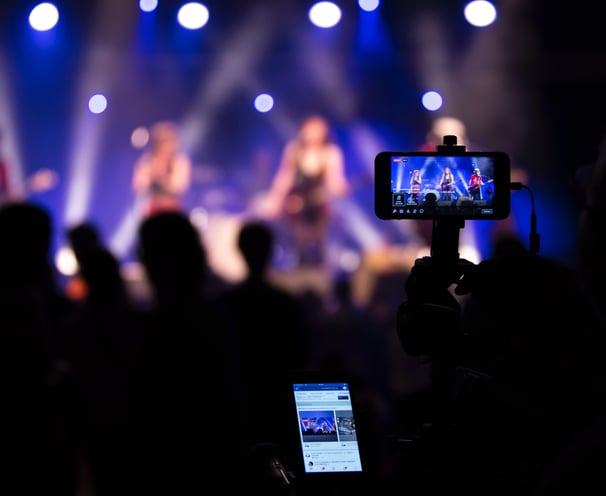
(447, 186)
(476, 189)
(310, 200)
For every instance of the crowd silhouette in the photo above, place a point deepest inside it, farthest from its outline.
(106, 395)
(100, 347)
(37, 436)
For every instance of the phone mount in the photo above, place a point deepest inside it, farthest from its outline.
(428, 322)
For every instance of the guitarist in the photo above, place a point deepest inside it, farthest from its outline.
(310, 175)
(475, 184)
(447, 184)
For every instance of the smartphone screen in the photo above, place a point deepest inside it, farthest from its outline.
(327, 427)
(433, 185)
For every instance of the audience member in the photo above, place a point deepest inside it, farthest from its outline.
(578, 466)
(347, 337)
(83, 238)
(38, 456)
(519, 381)
(101, 348)
(269, 328)
(184, 400)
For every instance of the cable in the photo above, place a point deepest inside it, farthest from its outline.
(535, 237)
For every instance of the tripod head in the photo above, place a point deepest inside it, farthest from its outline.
(429, 320)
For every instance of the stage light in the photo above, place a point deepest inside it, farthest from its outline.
(264, 102)
(44, 17)
(193, 15)
(432, 100)
(480, 13)
(325, 14)
(368, 5)
(97, 104)
(148, 5)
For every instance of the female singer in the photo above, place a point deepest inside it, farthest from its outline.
(310, 174)
(447, 184)
(162, 174)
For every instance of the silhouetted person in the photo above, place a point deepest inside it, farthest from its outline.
(347, 337)
(269, 330)
(507, 243)
(102, 345)
(36, 451)
(183, 392)
(517, 375)
(83, 238)
(526, 369)
(579, 466)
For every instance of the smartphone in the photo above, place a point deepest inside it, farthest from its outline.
(454, 184)
(325, 419)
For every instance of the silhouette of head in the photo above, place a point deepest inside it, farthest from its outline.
(26, 231)
(255, 242)
(83, 238)
(173, 255)
(518, 315)
(101, 271)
